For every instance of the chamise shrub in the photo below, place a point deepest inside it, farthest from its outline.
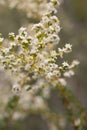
(30, 60)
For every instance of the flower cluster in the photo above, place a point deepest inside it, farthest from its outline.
(32, 57)
(32, 8)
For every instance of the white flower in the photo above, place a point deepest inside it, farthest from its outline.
(49, 75)
(1, 39)
(12, 34)
(21, 30)
(53, 53)
(60, 52)
(69, 73)
(68, 46)
(62, 81)
(65, 64)
(77, 122)
(16, 88)
(74, 64)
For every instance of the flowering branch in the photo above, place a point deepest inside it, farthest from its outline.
(32, 61)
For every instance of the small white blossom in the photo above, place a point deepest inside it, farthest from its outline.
(62, 81)
(77, 122)
(69, 73)
(12, 34)
(65, 64)
(22, 29)
(16, 88)
(68, 48)
(75, 62)
(60, 52)
(1, 39)
(53, 53)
